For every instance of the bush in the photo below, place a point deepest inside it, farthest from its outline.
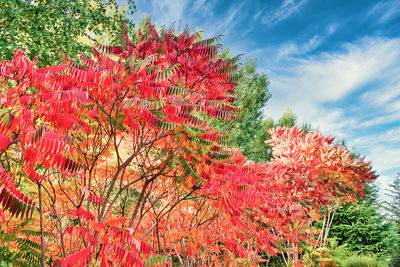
(361, 261)
(395, 259)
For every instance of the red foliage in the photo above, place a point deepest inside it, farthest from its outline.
(132, 167)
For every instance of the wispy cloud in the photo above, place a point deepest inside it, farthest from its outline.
(197, 14)
(286, 9)
(386, 10)
(383, 183)
(379, 119)
(332, 28)
(280, 53)
(312, 87)
(380, 98)
(229, 21)
(328, 77)
(168, 11)
(257, 15)
(293, 49)
(390, 136)
(352, 91)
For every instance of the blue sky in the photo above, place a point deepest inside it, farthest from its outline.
(335, 63)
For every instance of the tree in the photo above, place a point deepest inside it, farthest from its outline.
(251, 95)
(393, 208)
(43, 28)
(362, 228)
(288, 119)
(334, 176)
(120, 156)
(268, 208)
(91, 136)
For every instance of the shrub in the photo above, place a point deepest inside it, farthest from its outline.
(361, 261)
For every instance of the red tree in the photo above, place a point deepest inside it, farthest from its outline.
(128, 166)
(124, 125)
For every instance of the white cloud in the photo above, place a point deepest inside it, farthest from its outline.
(386, 10)
(286, 9)
(384, 158)
(324, 90)
(276, 55)
(198, 4)
(255, 17)
(230, 20)
(332, 28)
(168, 11)
(379, 120)
(383, 149)
(381, 97)
(199, 14)
(293, 49)
(383, 183)
(329, 77)
(390, 136)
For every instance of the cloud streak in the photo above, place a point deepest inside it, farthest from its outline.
(329, 77)
(349, 88)
(286, 9)
(353, 93)
(386, 10)
(199, 14)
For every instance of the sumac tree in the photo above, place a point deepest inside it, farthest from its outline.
(119, 152)
(115, 142)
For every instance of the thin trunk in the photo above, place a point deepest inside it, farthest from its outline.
(295, 255)
(328, 227)
(138, 204)
(61, 231)
(158, 239)
(322, 231)
(41, 223)
(283, 254)
(177, 254)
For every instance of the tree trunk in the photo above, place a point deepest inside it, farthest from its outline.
(41, 223)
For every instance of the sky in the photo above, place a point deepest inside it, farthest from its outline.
(335, 63)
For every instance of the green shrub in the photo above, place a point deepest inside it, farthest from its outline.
(395, 259)
(361, 261)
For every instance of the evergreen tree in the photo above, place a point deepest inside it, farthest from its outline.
(362, 228)
(393, 207)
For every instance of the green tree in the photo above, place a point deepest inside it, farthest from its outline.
(362, 228)
(252, 93)
(288, 119)
(394, 205)
(42, 28)
(393, 208)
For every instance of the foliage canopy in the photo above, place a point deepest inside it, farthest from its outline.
(43, 28)
(120, 155)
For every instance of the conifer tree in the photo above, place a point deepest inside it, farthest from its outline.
(393, 208)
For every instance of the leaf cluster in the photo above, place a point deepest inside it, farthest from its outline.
(43, 28)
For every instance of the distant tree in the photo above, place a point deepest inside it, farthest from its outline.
(288, 119)
(42, 28)
(393, 207)
(246, 133)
